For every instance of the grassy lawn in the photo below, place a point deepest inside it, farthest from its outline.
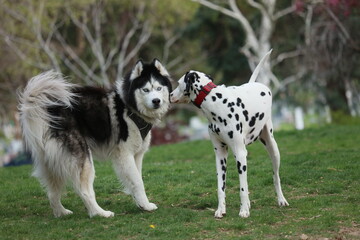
(320, 177)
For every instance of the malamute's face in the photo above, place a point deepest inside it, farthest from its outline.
(148, 89)
(153, 95)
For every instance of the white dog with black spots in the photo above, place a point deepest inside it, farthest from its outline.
(237, 117)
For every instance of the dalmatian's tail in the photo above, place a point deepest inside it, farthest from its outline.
(259, 66)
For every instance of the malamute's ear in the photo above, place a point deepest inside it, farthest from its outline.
(161, 68)
(136, 71)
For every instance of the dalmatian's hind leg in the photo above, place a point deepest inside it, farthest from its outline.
(267, 138)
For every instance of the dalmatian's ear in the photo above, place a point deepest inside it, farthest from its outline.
(189, 79)
(137, 70)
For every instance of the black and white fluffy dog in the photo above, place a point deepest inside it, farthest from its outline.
(237, 117)
(63, 124)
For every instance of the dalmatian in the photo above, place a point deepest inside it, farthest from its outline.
(238, 116)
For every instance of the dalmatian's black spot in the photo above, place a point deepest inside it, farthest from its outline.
(252, 121)
(238, 127)
(257, 114)
(231, 104)
(238, 102)
(231, 134)
(214, 98)
(229, 115)
(220, 119)
(223, 187)
(223, 168)
(215, 149)
(244, 168)
(219, 95)
(225, 160)
(246, 113)
(261, 116)
(263, 141)
(256, 138)
(225, 101)
(269, 93)
(262, 94)
(242, 105)
(238, 164)
(237, 117)
(252, 137)
(239, 169)
(232, 109)
(252, 130)
(217, 130)
(241, 127)
(214, 119)
(271, 130)
(223, 144)
(212, 113)
(222, 162)
(242, 189)
(225, 122)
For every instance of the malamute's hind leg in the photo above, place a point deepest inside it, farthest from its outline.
(54, 185)
(267, 138)
(84, 187)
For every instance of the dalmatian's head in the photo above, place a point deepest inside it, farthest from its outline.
(189, 86)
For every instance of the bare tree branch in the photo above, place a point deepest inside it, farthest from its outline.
(284, 12)
(125, 57)
(338, 23)
(95, 43)
(286, 55)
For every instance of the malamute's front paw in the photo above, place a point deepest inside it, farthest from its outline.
(62, 212)
(149, 207)
(106, 214)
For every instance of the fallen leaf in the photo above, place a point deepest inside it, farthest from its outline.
(304, 237)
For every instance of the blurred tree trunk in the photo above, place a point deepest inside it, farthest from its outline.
(258, 40)
(332, 47)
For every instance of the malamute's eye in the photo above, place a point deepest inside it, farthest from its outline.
(159, 89)
(146, 90)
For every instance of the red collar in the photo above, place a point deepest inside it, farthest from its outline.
(203, 93)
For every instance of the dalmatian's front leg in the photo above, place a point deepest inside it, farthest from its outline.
(240, 154)
(221, 152)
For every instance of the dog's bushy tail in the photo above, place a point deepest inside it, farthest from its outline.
(48, 89)
(256, 72)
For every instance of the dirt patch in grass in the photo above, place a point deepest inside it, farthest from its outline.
(352, 232)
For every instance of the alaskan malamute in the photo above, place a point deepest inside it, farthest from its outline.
(63, 124)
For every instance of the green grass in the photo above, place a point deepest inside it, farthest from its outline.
(320, 177)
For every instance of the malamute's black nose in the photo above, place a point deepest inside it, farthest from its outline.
(156, 102)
